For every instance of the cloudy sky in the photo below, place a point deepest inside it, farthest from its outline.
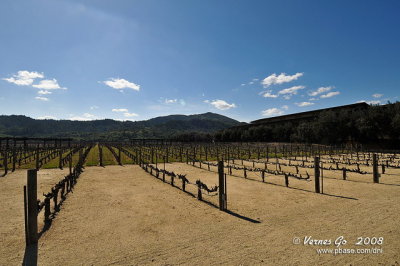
(133, 60)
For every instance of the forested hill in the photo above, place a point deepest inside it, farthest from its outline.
(108, 129)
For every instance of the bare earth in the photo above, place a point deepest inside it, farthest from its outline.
(122, 215)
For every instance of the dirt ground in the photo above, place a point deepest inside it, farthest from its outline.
(124, 216)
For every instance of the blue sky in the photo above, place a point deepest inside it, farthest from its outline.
(134, 60)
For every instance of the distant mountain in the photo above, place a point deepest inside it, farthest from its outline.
(108, 129)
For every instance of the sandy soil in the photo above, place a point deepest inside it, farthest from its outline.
(122, 215)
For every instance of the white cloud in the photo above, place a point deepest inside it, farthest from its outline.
(251, 82)
(48, 84)
(242, 84)
(287, 97)
(285, 107)
(87, 115)
(304, 104)
(44, 92)
(377, 95)
(221, 104)
(24, 78)
(46, 117)
(84, 117)
(255, 79)
(272, 112)
(167, 101)
(45, 99)
(130, 114)
(279, 79)
(313, 99)
(79, 118)
(182, 102)
(120, 110)
(292, 90)
(94, 107)
(330, 94)
(320, 90)
(268, 94)
(120, 84)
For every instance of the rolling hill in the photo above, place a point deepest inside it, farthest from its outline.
(160, 127)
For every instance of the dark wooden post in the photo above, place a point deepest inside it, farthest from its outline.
(375, 168)
(47, 210)
(32, 206)
(70, 163)
(119, 157)
(14, 155)
(344, 174)
(316, 174)
(60, 159)
(37, 158)
(80, 154)
(5, 161)
(199, 196)
(221, 178)
(101, 155)
(286, 180)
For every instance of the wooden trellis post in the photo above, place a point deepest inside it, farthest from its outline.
(5, 161)
(37, 158)
(316, 174)
(222, 186)
(14, 155)
(60, 159)
(375, 168)
(101, 155)
(31, 208)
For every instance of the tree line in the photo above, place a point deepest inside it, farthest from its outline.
(376, 124)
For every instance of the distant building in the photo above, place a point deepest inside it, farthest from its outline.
(308, 116)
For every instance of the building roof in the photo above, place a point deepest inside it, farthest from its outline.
(308, 114)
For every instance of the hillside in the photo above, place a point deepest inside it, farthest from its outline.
(108, 129)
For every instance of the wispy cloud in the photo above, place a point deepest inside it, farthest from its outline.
(292, 90)
(279, 79)
(125, 112)
(48, 84)
(377, 95)
(44, 99)
(94, 107)
(268, 94)
(84, 117)
(120, 84)
(121, 110)
(168, 101)
(24, 78)
(46, 117)
(44, 92)
(304, 104)
(285, 107)
(272, 112)
(320, 90)
(221, 104)
(330, 94)
(130, 114)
